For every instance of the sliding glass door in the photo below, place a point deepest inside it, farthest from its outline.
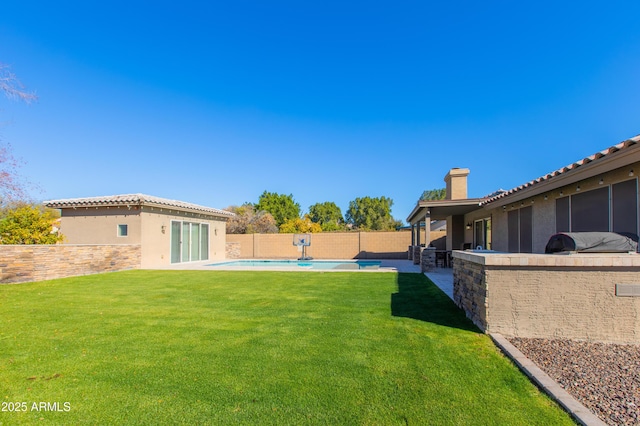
(189, 241)
(482, 234)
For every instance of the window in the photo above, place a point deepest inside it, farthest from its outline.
(590, 211)
(189, 241)
(520, 230)
(624, 206)
(563, 221)
(123, 230)
(611, 208)
(482, 233)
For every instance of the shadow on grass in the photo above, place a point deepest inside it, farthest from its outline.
(420, 299)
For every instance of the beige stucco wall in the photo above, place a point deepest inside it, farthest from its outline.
(543, 205)
(329, 245)
(156, 244)
(550, 296)
(471, 218)
(99, 226)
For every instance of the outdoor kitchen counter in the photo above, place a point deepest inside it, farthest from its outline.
(585, 296)
(491, 258)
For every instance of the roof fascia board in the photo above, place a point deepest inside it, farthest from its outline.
(419, 211)
(138, 203)
(182, 209)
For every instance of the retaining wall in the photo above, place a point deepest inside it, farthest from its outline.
(594, 297)
(326, 245)
(25, 263)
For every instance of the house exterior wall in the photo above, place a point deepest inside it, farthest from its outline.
(100, 226)
(544, 213)
(156, 242)
(471, 218)
(550, 296)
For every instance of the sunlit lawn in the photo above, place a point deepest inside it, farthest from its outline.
(201, 347)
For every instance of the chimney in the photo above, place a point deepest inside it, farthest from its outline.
(456, 181)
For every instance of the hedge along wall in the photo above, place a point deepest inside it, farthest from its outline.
(25, 263)
(326, 245)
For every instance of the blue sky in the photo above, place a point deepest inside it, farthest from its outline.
(215, 102)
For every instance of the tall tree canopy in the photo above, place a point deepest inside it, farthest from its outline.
(434, 194)
(328, 215)
(371, 214)
(282, 207)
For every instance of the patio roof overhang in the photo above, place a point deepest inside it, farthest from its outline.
(441, 209)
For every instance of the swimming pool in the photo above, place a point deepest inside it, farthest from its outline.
(302, 264)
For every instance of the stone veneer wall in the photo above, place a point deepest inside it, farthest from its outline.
(25, 263)
(233, 250)
(550, 296)
(417, 254)
(470, 291)
(428, 260)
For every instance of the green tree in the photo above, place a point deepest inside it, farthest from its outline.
(282, 207)
(300, 226)
(371, 214)
(433, 194)
(28, 224)
(328, 215)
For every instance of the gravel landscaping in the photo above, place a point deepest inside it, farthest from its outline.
(604, 377)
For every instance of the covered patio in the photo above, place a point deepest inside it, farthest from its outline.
(453, 213)
(452, 210)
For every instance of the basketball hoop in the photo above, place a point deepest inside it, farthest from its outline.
(302, 241)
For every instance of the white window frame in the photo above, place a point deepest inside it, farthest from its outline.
(120, 228)
(182, 246)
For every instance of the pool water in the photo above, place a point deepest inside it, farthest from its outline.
(304, 264)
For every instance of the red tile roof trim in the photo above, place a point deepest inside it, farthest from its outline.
(132, 199)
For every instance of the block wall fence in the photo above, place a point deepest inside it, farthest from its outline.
(326, 245)
(26, 263)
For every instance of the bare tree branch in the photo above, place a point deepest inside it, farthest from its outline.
(12, 87)
(13, 187)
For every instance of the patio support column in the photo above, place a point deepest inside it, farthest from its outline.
(413, 235)
(427, 229)
(418, 234)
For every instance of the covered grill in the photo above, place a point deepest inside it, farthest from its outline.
(592, 242)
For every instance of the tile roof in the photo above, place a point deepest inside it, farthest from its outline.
(583, 162)
(132, 199)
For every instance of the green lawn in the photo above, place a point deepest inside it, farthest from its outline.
(200, 347)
